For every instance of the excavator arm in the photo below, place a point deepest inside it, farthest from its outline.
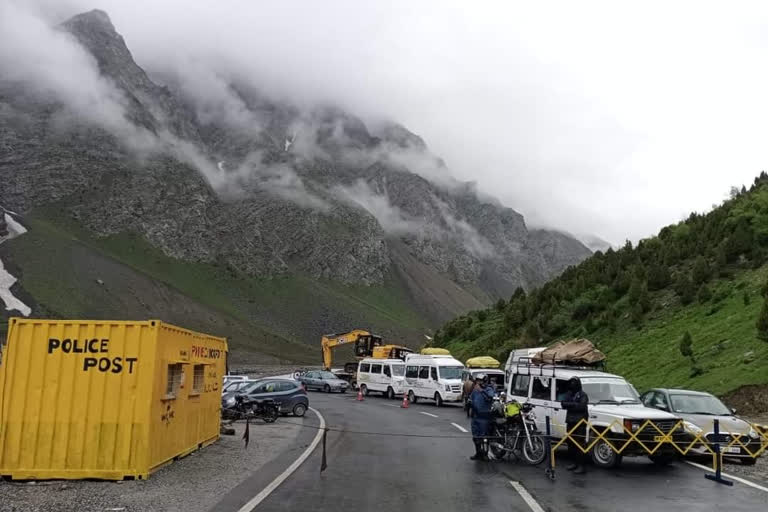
(331, 341)
(366, 345)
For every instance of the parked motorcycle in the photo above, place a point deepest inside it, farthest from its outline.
(247, 408)
(516, 435)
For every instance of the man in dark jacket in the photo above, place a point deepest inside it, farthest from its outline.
(481, 400)
(575, 403)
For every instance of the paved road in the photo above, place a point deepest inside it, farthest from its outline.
(375, 472)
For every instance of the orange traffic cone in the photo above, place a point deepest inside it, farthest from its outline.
(406, 404)
(360, 395)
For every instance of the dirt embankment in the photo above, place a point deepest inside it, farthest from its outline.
(748, 400)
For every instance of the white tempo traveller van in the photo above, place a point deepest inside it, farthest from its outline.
(614, 404)
(436, 377)
(386, 376)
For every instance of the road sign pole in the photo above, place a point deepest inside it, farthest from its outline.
(718, 477)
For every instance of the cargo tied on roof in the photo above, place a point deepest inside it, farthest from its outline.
(482, 362)
(580, 352)
(105, 399)
(434, 351)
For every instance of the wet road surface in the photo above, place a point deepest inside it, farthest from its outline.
(369, 472)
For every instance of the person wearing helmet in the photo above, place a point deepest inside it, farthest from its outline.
(481, 400)
(576, 403)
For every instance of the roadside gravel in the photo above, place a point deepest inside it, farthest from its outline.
(757, 473)
(193, 484)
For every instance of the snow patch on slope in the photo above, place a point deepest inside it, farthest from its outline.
(7, 280)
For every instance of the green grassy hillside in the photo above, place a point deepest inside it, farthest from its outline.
(705, 276)
(59, 266)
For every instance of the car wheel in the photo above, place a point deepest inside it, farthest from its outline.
(390, 393)
(604, 456)
(412, 397)
(299, 410)
(364, 389)
(438, 400)
(327, 388)
(748, 461)
(343, 390)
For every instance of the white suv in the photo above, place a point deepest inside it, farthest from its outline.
(613, 403)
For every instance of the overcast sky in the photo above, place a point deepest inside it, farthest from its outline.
(592, 117)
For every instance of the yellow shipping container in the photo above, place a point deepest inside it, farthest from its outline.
(105, 399)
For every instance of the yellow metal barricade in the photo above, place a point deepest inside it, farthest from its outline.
(749, 446)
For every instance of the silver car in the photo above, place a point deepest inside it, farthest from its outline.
(324, 380)
(699, 410)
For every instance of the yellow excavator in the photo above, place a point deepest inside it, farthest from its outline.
(366, 345)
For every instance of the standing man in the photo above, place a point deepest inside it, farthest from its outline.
(481, 400)
(576, 403)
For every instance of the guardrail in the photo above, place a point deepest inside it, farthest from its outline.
(650, 439)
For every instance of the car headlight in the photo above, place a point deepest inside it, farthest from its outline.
(447, 387)
(754, 434)
(693, 429)
(631, 426)
(230, 401)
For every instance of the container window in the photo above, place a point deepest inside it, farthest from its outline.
(174, 379)
(198, 378)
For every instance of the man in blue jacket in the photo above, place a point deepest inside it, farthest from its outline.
(481, 400)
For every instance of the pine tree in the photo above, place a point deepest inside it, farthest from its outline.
(701, 271)
(500, 305)
(637, 315)
(764, 289)
(762, 322)
(658, 277)
(635, 291)
(684, 288)
(686, 346)
(645, 299)
(704, 293)
(746, 298)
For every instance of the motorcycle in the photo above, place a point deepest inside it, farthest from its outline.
(516, 435)
(248, 408)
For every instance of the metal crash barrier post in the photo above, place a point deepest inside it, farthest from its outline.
(550, 470)
(718, 477)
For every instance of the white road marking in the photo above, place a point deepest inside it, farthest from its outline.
(429, 414)
(254, 502)
(460, 427)
(526, 496)
(392, 405)
(731, 477)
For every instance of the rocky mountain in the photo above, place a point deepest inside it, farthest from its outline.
(265, 189)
